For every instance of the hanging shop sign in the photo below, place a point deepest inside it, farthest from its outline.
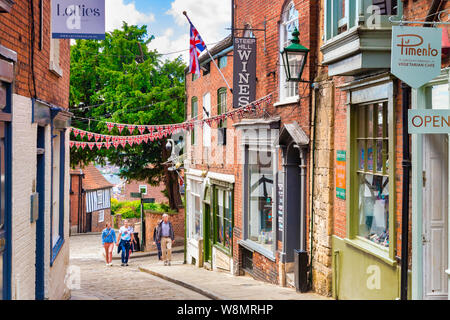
(340, 174)
(427, 121)
(244, 71)
(78, 19)
(416, 54)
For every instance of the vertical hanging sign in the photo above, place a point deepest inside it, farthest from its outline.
(244, 71)
(340, 174)
(78, 19)
(416, 54)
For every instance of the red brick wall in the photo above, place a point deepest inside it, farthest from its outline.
(15, 31)
(152, 192)
(99, 226)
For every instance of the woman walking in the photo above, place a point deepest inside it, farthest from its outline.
(124, 241)
(108, 240)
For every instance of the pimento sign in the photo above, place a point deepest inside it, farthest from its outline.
(416, 54)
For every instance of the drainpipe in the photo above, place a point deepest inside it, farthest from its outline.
(302, 197)
(406, 164)
(313, 153)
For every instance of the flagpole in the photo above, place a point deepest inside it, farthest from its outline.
(212, 59)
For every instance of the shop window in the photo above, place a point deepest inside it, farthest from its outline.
(260, 184)
(439, 96)
(194, 115)
(221, 109)
(342, 15)
(289, 21)
(224, 218)
(372, 143)
(195, 215)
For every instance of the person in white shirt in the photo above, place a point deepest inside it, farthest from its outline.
(124, 241)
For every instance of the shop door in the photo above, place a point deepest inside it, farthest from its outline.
(5, 119)
(209, 232)
(435, 216)
(88, 222)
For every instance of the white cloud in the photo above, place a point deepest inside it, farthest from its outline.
(210, 17)
(117, 11)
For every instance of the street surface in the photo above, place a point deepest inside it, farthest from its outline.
(97, 281)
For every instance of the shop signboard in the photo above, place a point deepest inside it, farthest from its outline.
(340, 174)
(78, 19)
(428, 121)
(416, 54)
(244, 71)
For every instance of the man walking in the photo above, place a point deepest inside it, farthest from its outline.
(156, 242)
(166, 236)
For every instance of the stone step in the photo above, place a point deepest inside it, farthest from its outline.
(290, 280)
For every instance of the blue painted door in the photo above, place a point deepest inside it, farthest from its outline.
(5, 164)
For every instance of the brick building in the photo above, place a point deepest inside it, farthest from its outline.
(90, 200)
(149, 191)
(34, 97)
(359, 123)
(209, 169)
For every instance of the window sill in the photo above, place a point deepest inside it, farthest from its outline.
(56, 250)
(223, 249)
(253, 246)
(372, 249)
(287, 101)
(55, 69)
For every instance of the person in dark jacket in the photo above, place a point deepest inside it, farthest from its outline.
(157, 242)
(166, 236)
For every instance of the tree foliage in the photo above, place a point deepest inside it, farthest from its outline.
(127, 83)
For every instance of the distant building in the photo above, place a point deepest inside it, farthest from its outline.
(90, 200)
(155, 192)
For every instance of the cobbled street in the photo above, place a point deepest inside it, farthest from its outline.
(92, 279)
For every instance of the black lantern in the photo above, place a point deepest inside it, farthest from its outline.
(294, 58)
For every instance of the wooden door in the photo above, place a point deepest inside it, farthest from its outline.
(435, 217)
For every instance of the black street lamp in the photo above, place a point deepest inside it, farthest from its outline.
(294, 58)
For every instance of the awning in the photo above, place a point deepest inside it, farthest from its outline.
(294, 131)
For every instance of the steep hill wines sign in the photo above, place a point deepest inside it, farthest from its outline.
(78, 19)
(244, 71)
(416, 54)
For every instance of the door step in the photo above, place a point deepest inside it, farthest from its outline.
(290, 280)
(207, 265)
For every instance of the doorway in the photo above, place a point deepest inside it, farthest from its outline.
(435, 216)
(209, 232)
(5, 189)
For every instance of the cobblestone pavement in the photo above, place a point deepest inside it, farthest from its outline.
(92, 280)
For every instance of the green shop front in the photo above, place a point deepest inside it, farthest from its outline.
(364, 261)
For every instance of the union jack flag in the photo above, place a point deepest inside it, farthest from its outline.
(196, 47)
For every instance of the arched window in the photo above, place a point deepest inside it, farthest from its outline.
(289, 21)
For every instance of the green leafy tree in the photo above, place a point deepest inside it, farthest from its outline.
(127, 83)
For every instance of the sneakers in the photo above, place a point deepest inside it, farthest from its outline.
(168, 263)
(126, 264)
(165, 263)
(123, 264)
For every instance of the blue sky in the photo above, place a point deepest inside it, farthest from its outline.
(166, 22)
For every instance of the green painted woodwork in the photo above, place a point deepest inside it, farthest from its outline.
(355, 272)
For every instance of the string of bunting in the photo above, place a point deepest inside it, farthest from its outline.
(155, 131)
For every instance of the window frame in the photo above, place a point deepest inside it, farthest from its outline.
(387, 254)
(227, 190)
(194, 115)
(222, 92)
(143, 186)
(221, 63)
(354, 16)
(284, 85)
(57, 245)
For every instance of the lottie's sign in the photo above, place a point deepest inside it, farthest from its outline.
(416, 54)
(427, 121)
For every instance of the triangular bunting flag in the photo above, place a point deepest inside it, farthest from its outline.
(71, 144)
(141, 129)
(91, 145)
(83, 145)
(99, 145)
(110, 126)
(120, 127)
(82, 133)
(89, 135)
(131, 128)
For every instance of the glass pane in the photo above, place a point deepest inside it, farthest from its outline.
(374, 209)
(370, 121)
(440, 96)
(386, 154)
(197, 218)
(361, 122)
(260, 202)
(385, 7)
(369, 155)
(361, 155)
(380, 151)
(380, 120)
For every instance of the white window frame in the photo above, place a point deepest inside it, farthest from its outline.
(288, 91)
(54, 61)
(101, 216)
(143, 186)
(99, 198)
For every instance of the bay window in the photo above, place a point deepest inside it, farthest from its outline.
(260, 185)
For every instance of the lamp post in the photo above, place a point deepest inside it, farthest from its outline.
(294, 58)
